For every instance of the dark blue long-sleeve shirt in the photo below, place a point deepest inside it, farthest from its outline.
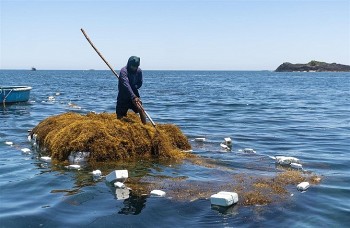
(129, 83)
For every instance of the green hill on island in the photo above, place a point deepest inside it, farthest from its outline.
(313, 66)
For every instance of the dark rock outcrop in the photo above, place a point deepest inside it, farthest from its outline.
(313, 66)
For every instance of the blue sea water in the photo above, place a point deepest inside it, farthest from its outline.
(306, 115)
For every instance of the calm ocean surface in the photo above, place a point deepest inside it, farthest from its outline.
(306, 115)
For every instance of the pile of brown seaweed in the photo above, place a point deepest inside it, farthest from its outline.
(107, 138)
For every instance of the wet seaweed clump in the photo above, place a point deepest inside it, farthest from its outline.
(251, 189)
(107, 138)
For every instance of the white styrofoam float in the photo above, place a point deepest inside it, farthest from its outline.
(296, 165)
(224, 199)
(9, 143)
(117, 175)
(74, 166)
(224, 146)
(45, 159)
(283, 160)
(118, 184)
(228, 141)
(96, 173)
(249, 151)
(199, 139)
(158, 193)
(227, 144)
(51, 98)
(25, 150)
(303, 186)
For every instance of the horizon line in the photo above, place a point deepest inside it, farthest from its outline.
(141, 68)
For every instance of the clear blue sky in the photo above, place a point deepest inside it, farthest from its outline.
(173, 35)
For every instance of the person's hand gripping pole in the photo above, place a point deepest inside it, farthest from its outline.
(138, 103)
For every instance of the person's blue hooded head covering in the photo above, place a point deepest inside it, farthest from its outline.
(134, 61)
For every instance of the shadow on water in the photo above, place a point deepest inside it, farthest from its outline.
(21, 108)
(232, 210)
(133, 205)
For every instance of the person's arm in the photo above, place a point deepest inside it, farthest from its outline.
(124, 80)
(139, 79)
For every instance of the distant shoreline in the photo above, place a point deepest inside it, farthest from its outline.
(313, 66)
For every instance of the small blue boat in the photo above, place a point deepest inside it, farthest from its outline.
(13, 94)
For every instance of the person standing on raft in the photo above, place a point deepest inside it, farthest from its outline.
(130, 80)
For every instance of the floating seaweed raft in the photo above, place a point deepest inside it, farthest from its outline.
(105, 138)
(108, 139)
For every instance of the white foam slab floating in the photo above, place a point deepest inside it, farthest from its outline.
(25, 150)
(45, 159)
(249, 151)
(73, 167)
(9, 143)
(228, 141)
(296, 166)
(224, 199)
(303, 186)
(283, 160)
(96, 173)
(158, 193)
(118, 184)
(199, 139)
(223, 146)
(117, 175)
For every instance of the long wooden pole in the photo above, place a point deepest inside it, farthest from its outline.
(93, 46)
(115, 73)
